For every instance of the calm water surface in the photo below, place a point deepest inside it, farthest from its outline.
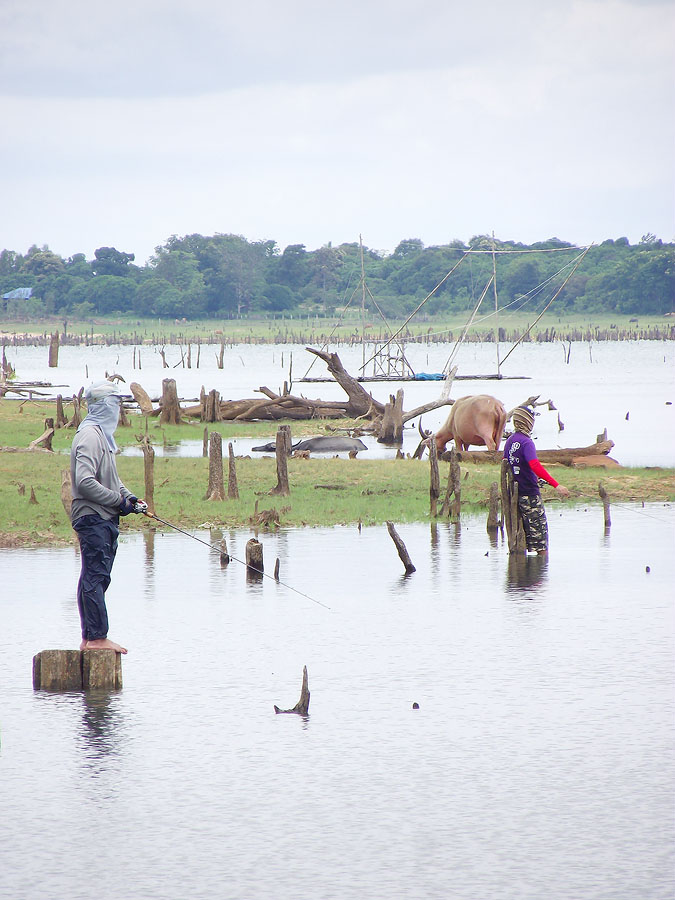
(539, 764)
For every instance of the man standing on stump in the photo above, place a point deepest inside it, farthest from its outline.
(527, 470)
(99, 499)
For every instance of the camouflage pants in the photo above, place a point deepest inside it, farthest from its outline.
(534, 522)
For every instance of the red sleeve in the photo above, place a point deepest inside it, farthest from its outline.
(541, 472)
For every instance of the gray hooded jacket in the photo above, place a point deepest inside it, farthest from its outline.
(96, 486)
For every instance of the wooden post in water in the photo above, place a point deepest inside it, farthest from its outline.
(232, 486)
(605, 505)
(403, 554)
(75, 670)
(224, 555)
(302, 706)
(149, 473)
(54, 350)
(514, 526)
(216, 489)
(493, 509)
(434, 479)
(254, 557)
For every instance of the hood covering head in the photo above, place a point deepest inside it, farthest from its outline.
(103, 405)
(523, 419)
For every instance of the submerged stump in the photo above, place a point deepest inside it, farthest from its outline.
(302, 706)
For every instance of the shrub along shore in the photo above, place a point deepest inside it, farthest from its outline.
(324, 492)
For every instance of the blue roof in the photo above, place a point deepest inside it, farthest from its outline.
(18, 294)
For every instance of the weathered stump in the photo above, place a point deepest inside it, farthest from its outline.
(57, 670)
(282, 488)
(512, 519)
(493, 508)
(45, 438)
(61, 419)
(212, 407)
(170, 413)
(205, 443)
(254, 557)
(434, 480)
(391, 428)
(221, 355)
(54, 350)
(224, 555)
(101, 669)
(454, 488)
(302, 706)
(404, 556)
(216, 489)
(232, 486)
(32, 499)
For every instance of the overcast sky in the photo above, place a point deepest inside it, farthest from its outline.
(303, 122)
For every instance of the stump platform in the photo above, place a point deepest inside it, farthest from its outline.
(77, 670)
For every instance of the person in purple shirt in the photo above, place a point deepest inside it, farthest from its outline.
(527, 470)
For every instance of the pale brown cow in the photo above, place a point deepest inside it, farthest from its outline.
(478, 419)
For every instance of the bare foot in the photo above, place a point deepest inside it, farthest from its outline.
(102, 644)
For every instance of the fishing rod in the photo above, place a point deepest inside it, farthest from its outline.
(219, 550)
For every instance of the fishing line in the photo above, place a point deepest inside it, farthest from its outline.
(623, 506)
(219, 550)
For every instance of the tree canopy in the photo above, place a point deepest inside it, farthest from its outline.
(225, 275)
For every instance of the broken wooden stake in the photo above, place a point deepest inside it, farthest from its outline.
(404, 556)
(282, 488)
(605, 505)
(224, 555)
(232, 486)
(434, 479)
(493, 508)
(512, 519)
(302, 706)
(54, 351)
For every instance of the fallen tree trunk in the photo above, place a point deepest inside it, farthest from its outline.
(562, 457)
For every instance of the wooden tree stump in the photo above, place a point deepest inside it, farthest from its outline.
(493, 508)
(404, 556)
(170, 414)
(212, 407)
(61, 419)
(216, 489)
(454, 488)
(434, 480)
(77, 411)
(282, 489)
(302, 706)
(254, 557)
(221, 355)
(224, 555)
(232, 486)
(57, 670)
(391, 428)
(205, 443)
(54, 351)
(101, 669)
(32, 499)
(512, 519)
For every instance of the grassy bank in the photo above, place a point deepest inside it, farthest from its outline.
(323, 491)
(314, 329)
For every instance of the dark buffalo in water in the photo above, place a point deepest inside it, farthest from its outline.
(325, 444)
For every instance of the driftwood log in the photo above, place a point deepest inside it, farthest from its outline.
(564, 457)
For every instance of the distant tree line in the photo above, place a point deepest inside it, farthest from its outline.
(225, 276)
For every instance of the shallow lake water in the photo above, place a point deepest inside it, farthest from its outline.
(627, 387)
(539, 764)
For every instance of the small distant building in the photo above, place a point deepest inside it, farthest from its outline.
(16, 294)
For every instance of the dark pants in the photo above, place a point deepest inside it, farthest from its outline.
(534, 522)
(98, 545)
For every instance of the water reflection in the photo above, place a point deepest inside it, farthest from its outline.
(101, 733)
(525, 572)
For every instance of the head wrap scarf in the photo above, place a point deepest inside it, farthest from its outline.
(523, 419)
(103, 409)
